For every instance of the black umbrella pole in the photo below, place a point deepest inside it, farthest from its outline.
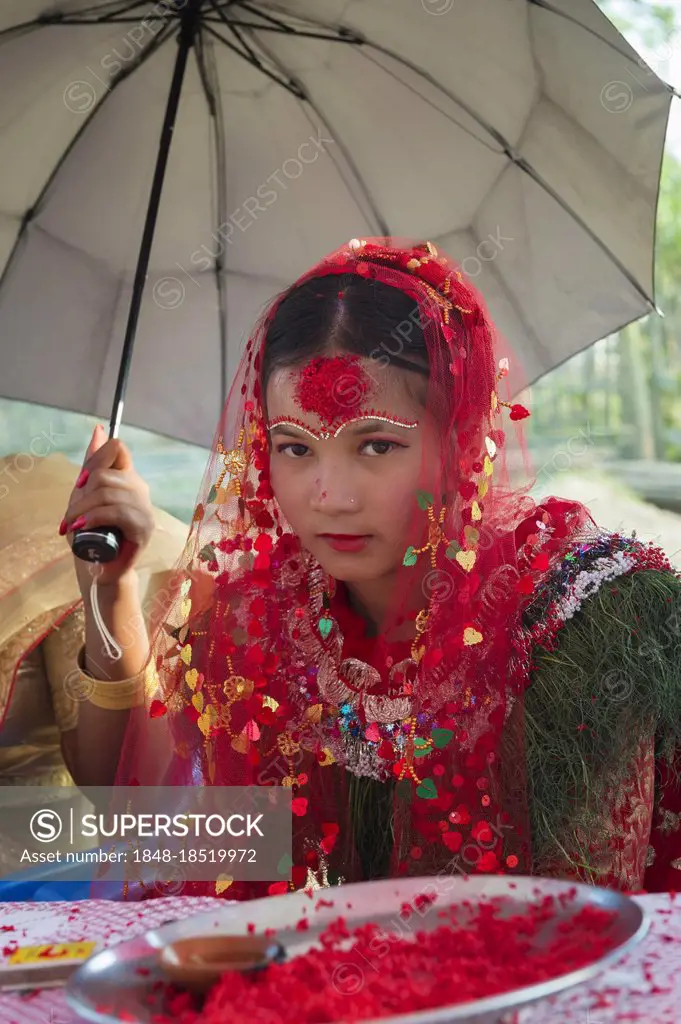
(186, 38)
(103, 544)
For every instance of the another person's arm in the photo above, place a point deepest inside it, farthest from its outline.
(113, 494)
(96, 743)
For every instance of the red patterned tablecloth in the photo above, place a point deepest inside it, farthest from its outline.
(644, 987)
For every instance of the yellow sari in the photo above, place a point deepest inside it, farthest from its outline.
(42, 622)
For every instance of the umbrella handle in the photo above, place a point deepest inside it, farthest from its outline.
(102, 544)
(99, 544)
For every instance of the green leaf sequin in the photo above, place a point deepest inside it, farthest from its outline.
(441, 737)
(410, 556)
(207, 553)
(427, 790)
(424, 499)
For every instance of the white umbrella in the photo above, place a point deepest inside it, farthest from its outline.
(523, 136)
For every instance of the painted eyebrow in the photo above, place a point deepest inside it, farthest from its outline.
(369, 427)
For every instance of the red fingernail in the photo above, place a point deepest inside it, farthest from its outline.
(79, 523)
(83, 478)
(62, 528)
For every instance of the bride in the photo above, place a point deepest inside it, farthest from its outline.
(372, 611)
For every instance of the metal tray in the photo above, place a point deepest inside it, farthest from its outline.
(110, 982)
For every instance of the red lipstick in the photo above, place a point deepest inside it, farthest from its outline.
(349, 542)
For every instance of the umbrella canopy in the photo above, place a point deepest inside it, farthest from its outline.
(523, 136)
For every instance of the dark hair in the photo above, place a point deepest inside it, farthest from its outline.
(346, 313)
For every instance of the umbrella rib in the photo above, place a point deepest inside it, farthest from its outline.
(293, 33)
(225, 20)
(433, 106)
(124, 73)
(80, 18)
(523, 164)
(546, 6)
(267, 17)
(304, 96)
(361, 40)
(528, 331)
(342, 35)
(289, 86)
(203, 74)
(125, 8)
(502, 142)
(345, 31)
(107, 21)
(213, 98)
(16, 30)
(120, 7)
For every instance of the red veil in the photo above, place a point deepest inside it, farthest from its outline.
(405, 752)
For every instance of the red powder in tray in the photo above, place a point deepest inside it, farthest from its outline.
(354, 975)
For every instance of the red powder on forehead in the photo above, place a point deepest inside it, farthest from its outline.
(333, 387)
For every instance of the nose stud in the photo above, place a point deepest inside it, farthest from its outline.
(324, 495)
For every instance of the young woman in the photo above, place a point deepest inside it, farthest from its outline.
(373, 612)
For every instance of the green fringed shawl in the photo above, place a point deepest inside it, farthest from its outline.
(613, 678)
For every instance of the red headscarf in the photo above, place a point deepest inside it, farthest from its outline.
(403, 757)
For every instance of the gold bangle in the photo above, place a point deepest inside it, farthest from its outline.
(120, 695)
(112, 695)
